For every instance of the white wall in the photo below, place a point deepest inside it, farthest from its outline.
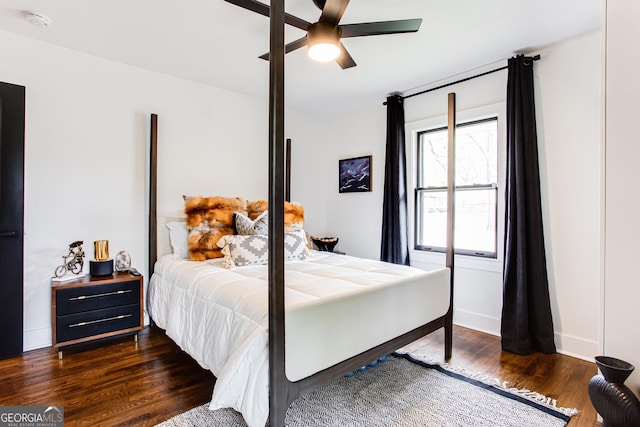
(309, 175)
(568, 102)
(621, 288)
(86, 173)
(568, 81)
(86, 146)
(356, 218)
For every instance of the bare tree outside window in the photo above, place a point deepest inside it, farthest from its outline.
(476, 189)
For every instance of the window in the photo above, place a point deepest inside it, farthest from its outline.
(476, 189)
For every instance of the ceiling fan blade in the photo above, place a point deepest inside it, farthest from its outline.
(345, 60)
(252, 5)
(263, 9)
(333, 11)
(378, 28)
(290, 47)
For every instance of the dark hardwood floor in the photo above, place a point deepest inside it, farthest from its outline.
(557, 376)
(122, 383)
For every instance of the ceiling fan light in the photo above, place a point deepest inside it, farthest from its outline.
(323, 42)
(324, 52)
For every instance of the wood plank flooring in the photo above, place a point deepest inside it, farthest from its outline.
(557, 376)
(122, 383)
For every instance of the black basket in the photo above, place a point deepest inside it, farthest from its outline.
(325, 244)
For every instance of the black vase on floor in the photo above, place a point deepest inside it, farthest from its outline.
(614, 401)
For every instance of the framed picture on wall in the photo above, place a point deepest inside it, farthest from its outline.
(354, 175)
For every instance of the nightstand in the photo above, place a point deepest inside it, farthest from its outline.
(91, 308)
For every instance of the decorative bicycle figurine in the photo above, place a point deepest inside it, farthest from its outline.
(73, 261)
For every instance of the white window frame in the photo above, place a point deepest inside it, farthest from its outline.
(412, 129)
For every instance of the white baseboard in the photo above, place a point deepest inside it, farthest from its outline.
(576, 347)
(477, 321)
(36, 338)
(568, 345)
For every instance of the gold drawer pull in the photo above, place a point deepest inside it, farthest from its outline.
(81, 297)
(90, 322)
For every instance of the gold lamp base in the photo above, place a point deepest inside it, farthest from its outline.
(102, 265)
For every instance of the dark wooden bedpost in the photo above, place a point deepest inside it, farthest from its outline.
(287, 187)
(278, 386)
(153, 193)
(451, 205)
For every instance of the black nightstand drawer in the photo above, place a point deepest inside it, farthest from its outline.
(96, 322)
(90, 308)
(87, 298)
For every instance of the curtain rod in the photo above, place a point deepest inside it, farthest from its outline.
(535, 58)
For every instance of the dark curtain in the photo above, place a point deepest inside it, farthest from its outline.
(395, 245)
(527, 326)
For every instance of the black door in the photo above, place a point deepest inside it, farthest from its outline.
(11, 217)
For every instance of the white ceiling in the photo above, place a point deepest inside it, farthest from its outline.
(217, 43)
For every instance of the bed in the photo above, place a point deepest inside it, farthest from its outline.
(311, 339)
(338, 306)
(341, 312)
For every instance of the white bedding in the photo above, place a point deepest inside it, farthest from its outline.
(337, 306)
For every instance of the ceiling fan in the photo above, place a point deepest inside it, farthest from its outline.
(323, 37)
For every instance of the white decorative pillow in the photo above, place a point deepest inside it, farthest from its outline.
(179, 236)
(245, 226)
(239, 250)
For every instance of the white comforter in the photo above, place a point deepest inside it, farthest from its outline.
(219, 316)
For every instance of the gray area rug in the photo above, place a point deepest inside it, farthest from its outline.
(404, 391)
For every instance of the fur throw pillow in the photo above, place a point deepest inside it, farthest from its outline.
(293, 214)
(208, 219)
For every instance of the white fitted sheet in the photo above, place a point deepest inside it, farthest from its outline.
(337, 306)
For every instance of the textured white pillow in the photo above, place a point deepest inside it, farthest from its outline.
(179, 236)
(245, 226)
(241, 250)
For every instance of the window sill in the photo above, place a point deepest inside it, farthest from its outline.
(461, 261)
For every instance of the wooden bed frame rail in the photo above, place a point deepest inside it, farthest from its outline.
(283, 392)
(320, 378)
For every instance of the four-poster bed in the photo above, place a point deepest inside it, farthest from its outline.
(283, 359)
(337, 307)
